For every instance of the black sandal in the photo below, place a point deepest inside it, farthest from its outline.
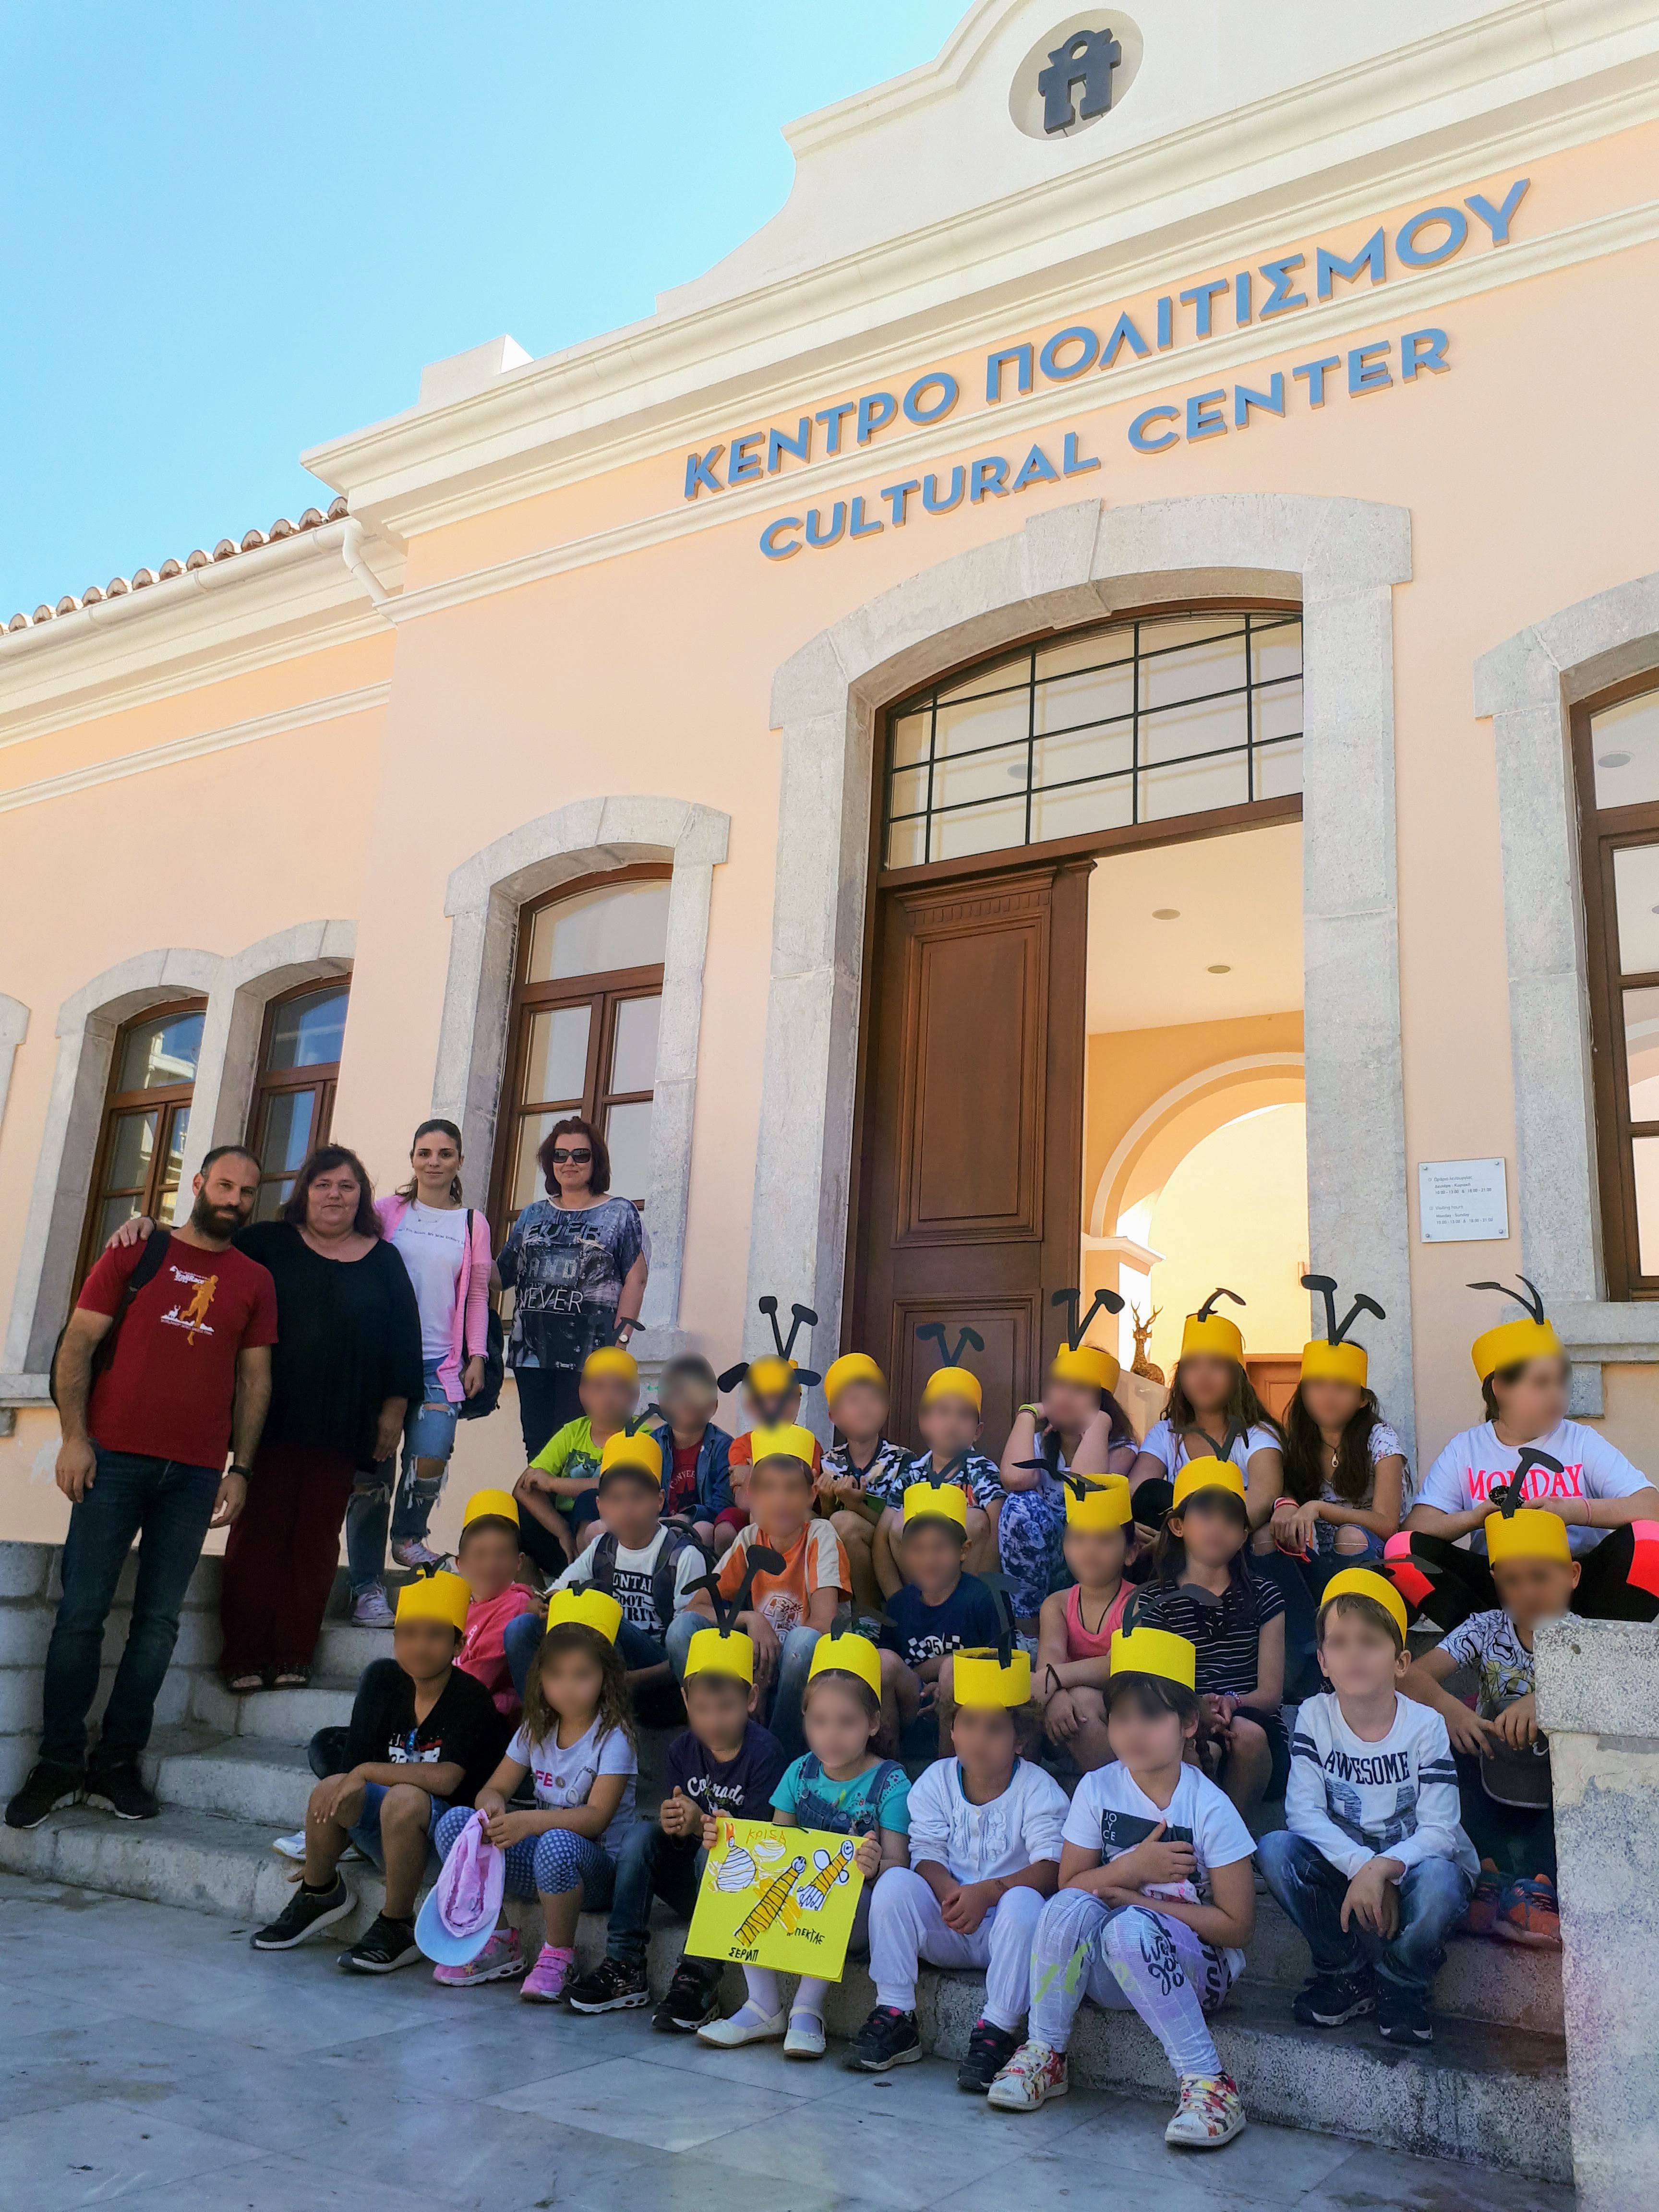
(244, 1686)
(291, 1678)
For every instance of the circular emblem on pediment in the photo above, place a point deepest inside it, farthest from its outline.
(1076, 75)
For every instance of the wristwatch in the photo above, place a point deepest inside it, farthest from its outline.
(245, 1472)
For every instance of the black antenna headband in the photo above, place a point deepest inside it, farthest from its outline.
(1336, 1332)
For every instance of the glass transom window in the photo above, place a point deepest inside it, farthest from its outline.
(1103, 729)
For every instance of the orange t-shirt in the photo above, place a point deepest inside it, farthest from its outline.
(816, 1561)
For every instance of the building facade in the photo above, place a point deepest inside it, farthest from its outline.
(1124, 612)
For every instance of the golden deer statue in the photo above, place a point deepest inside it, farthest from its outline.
(1143, 1329)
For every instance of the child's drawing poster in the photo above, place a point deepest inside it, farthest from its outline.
(783, 1897)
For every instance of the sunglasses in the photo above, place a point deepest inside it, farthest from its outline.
(581, 1154)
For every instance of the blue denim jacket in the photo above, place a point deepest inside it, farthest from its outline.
(714, 1471)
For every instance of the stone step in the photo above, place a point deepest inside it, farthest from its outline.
(242, 1778)
(275, 1715)
(346, 1650)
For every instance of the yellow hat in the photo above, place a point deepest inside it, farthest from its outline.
(1104, 1504)
(1322, 1362)
(1155, 1651)
(986, 1678)
(611, 1360)
(1365, 1581)
(770, 1376)
(788, 1440)
(1207, 1473)
(936, 1501)
(1086, 1363)
(587, 1608)
(435, 1597)
(846, 1653)
(639, 1454)
(490, 1505)
(851, 1367)
(1530, 1336)
(712, 1652)
(1526, 1534)
(1208, 1331)
(954, 1383)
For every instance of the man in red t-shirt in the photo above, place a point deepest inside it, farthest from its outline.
(145, 1432)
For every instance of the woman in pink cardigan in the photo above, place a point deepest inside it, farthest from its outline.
(445, 1245)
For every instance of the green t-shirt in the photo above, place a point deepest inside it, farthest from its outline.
(570, 1451)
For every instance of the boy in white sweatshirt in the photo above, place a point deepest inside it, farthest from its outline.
(1374, 1868)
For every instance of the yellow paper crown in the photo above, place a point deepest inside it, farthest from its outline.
(788, 1440)
(986, 1678)
(1334, 1363)
(1528, 1336)
(936, 1501)
(1365, 1581)
(1208, 1331)
(435, 1597)
(712, 1651)
(1207, 1473)
(611, 1360)
(639, 1454)
(954, 1383)
(491, 1504)
(1526, 1533)
(846, 1654)
(851, 1367)
(1105, 1504)
(1155, 1651)
(586, 1609)
(770, 1376)
(1086, 1363)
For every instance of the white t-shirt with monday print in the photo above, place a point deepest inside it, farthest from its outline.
(1463, 1475)
(1170, 1444)
(1110, 1814)
(566, 1778)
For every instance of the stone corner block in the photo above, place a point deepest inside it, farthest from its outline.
(24, 1568)
(810, 681)
(1598, 1678)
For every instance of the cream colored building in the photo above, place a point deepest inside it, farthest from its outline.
(1071, 650)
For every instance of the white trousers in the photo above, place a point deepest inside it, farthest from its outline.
(906, 1926)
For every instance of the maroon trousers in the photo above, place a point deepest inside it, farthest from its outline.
(280, 1555)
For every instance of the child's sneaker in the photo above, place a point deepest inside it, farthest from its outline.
(544, 1983)
(501, 1960)
(692, 1999)
(388, 1945)
(888, 2037)
(614, 1985)
(989, 2050)
(1404, 2019)
(306, 1913)
(1032, 2075)
(1331, 2000)
(1482, 1915)
(1529, 1912)
(372, 1608)
(1209, 2113)
(410, 1552)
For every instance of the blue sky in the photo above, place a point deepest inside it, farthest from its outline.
(230, 228)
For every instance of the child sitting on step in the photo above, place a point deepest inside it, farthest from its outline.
(559, 1489)
(577, 1742)
(1155, 1899)
(950, 1420)
(938, 1611)
(1076, 1626)
(1373, 1867)
(855, 1470)
(488, 1557)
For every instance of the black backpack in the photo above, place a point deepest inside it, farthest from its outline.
(603, 1572)
(148, 1266)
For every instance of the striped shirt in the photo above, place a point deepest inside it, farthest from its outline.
(1225, 1632)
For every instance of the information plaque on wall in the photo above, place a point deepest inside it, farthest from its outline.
(1462, 1201)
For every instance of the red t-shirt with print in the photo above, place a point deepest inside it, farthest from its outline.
(168, 1392)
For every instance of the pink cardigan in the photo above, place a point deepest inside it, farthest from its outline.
(470, 1322)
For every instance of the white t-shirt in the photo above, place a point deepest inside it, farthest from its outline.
(1110, 1814)
(1382, 1443)
(1488, 1642)
(635, 1572)
(1169, 1445)
(979, 1842)
(567, 1777)
(1462, 1477)
(1357, 1800)
(431, 1242)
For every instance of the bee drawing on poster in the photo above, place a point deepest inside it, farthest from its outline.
(778, 1897)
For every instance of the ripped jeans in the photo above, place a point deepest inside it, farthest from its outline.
(429, 1434)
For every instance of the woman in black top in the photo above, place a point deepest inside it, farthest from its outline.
(346, 1363)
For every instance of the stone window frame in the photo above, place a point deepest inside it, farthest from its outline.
(1527, 687)
(1341, 558)
(13, 1028)
(482, 900)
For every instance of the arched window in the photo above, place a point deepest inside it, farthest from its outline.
(293, 1092)
(146, 1119)
(587, 999)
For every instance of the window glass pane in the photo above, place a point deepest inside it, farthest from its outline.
(982, 722)
(1205, 727)
(306, 1032)
(1279, 712)
(990, 675)
(1094, 649)
(111, 1216)
(1095, 696)
(273, 1197)
(1167, 677)
(1275, 648)
(287, 1137)
(153, 1054)
(907, 792)
(528, 1181)
(633, 1044)
(1636, 893)
(132, 1147)
(555, 1063)
(1642, 1053)
(1625, 746)
(1645, 1154)
(979, 828)
(1278, 769)
(1082, 807)
(907, 844)
(982, 775)
(627, 1137)
(622, 927)
(166, 1199)
(1191, 789)
(910, 737)
(1085, 753)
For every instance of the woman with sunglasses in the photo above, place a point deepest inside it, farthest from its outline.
(576, 1263)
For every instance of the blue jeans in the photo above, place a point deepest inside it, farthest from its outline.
(650, 1864)
(1434, 1895)
(428, 1433)
(166, 1504)
(366, 1834)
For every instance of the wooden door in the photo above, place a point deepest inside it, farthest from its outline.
(971, 1155)
(1274, 1376)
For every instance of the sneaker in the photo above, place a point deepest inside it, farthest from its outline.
(1402, 2019)
(746, 2025)
(691, 1999)
(614, 1985)
(501, 1960)
(888, 2037)
(121, 1791)
(1529, 1912)
(1331, 2000)
(388, 1945)
(805, 2036)
(305, 1913)
(1209, 2113)
(1482, 1915)
(410, 1552)
(544, 1983)
(1032, 2075)
(371, 1608)
(989, 2050)
(47, 1788)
